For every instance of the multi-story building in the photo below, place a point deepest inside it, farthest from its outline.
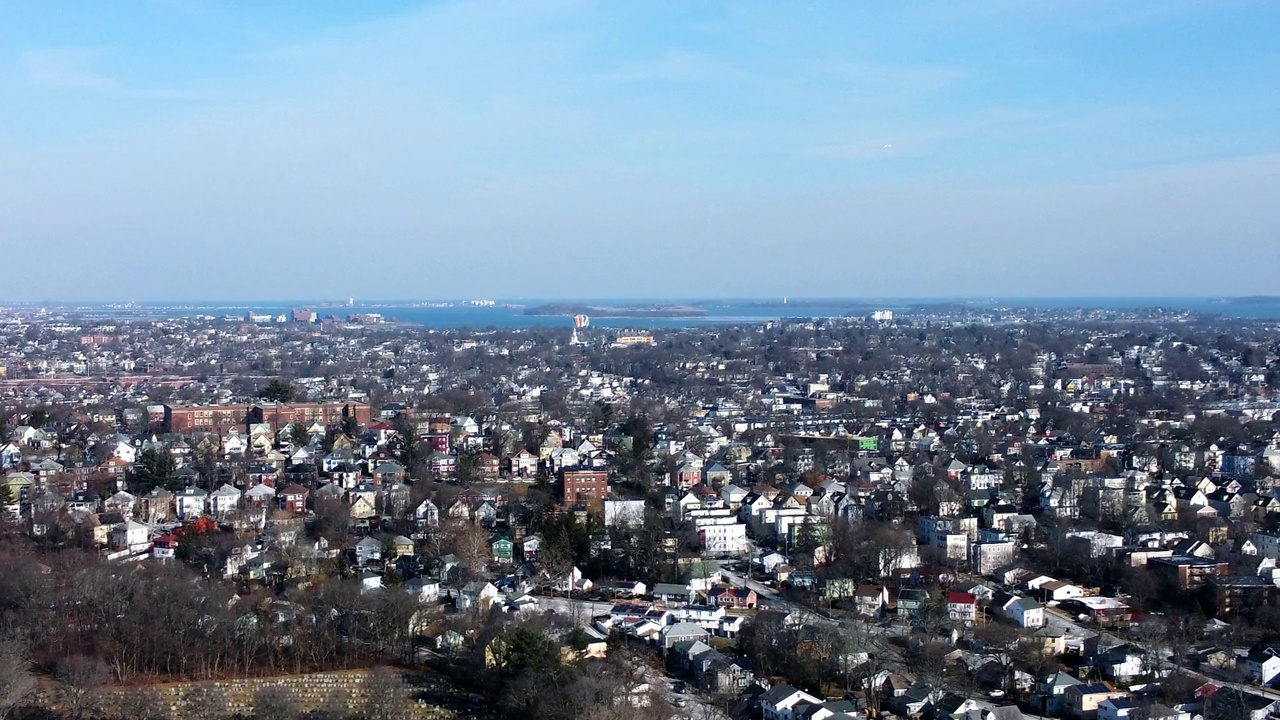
(585, 488)
(213, 418)
(330, 413)
(1187, 572)
(985, 557)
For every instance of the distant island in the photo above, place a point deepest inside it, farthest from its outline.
(650, 311)
(1252, 300)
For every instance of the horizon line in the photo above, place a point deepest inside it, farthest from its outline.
(781, 299)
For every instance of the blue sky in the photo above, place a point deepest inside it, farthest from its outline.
(178, 149)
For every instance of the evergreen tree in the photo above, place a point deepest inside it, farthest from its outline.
(155, 468)
(278, 391)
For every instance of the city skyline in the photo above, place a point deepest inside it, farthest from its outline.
(179, 151)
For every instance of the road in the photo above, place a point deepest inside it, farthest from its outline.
(1060, 620)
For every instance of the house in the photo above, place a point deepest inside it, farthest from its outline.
(503, 550)
(912, 601)
(477, 595)
(1102, 611)
(962, 607)
(630, 588)
(672, 594)
(368, 550)
(1024, 611)
(388, 471)
(400, 546)
(426, 514)
(1059, 591)
(1049, 641)
(131, 536)
(224, 500)
(784, 702)
(423, 589)
(1118, 708)
(1261, 665)
(726, 677)
(871, 600)
(1121, 663)
(731, 597)
(1051, 692)
(680, 632)
(191, 502)
(293, 498)
(259, 496)
(1082, 701)
(370, 581)
(523, 464)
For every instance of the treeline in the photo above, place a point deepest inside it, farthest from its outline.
(162, 621)
(544, 668)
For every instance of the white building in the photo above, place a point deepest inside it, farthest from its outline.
(721, 535)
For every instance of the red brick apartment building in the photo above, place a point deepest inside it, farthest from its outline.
(585, 488)
(212, 418)
(331, 413)
(222, 418)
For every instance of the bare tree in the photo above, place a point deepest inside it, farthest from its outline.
(274, 703)
(471, 545)
(142, 703)
(204, 702)
(386, 695)
(79, 678)
(17, 683)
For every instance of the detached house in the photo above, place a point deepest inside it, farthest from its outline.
(962, 607)
(1024, 611)
(224, 500)
(523, 464)
(293, 498)
(786, 703)
(191, 502)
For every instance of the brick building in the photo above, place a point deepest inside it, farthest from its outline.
(585, 488)
(331, 413)
(221, 418)
(212, 418)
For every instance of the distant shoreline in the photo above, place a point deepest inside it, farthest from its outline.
(621, 311)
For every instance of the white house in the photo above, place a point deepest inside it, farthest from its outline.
(423, 589)
(1116, 708)
(224, 500)
(191, 502)
(131, 536)
(784, 702)
(1026, 612)
(478, 594)
(1262, 666)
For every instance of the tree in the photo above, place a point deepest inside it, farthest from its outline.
(155, 468)
(528, 651)
(557, 556)
(471, 545)
(349, 426)
(79, 677)
(141, 703)
(17, 683)
(386, 696)
(413, 452)
(274, 703)
(298, 435)
(277, 391)
(204, 702)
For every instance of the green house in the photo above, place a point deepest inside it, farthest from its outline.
(503, 549)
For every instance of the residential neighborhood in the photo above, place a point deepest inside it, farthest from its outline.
(1072, 515)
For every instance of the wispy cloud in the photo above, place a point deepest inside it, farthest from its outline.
(888, 77)
(68, 68)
